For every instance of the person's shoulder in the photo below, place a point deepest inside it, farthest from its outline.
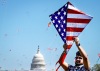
(70, 66)
(84, 69)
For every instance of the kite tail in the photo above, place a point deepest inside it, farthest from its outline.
(58, 68)
(61, 60)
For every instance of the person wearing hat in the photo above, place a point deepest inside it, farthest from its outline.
(81, 59)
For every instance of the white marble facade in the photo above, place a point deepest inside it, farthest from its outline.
(38, 62)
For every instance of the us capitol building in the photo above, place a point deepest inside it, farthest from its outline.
(38, 63)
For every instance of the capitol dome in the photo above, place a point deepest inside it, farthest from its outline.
(38, 62)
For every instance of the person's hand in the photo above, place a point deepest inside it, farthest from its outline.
(65, 46)
(76, 39)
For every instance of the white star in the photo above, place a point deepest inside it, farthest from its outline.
(61, 17)
(64, 13)
(64, 21)
(62, 9)
(64, 30)
(56, 17)
(58, 21)
(65, 5)
(59, 29)
(53, 21)
(62, 34)
(62, 26)
(56, 25)
(58, 13)
(50, 17)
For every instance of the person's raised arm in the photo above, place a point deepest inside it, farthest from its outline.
(83, 53)
(62, 59)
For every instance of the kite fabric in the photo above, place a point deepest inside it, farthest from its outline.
(99, 54)
(69, 22)
(49, 24)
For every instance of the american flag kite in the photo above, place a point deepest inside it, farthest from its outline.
(69, 22)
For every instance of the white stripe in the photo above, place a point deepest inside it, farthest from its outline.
(69, 42)
(73, 8)
(81, 16)
(73, 33)
(77, 25)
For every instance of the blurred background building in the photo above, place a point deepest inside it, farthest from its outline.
(38, 63)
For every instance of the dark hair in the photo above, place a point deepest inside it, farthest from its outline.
(78, 53)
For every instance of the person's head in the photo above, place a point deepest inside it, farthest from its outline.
(78, 59)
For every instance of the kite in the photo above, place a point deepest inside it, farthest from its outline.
(99, 57)
(10, 50)
(52, 49)
(69, 22)
(49, 24)
(5, 35)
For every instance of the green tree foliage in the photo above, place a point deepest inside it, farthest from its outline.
(96, 67)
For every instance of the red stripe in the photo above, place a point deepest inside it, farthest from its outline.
(69, 38)
(74, 11)
(58, 68)
(74, 20)
(69, 46)
(72, 29)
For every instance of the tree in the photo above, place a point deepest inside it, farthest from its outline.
(96, 67)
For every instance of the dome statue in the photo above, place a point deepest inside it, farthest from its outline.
(38, 62)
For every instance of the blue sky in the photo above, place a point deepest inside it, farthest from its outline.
(24, 26)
